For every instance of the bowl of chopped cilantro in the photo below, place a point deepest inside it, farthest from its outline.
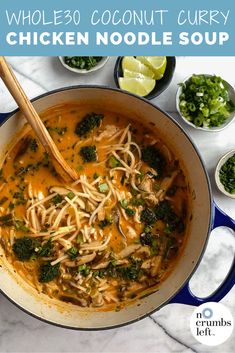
(83, 64)
(206, 102)
(225, 174)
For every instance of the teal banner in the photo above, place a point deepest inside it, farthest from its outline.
(105, 27)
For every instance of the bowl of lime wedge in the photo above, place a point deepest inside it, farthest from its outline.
(145, 76)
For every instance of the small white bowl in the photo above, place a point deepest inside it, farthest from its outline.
(99, 65)
(231, 92)
(217, 170)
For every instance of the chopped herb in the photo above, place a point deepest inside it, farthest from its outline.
(57, 199)
(227, 175)
(141, 175)
(47, 272)
(46, 249)
(103, 187)
(88, 123)
(79, 168)
(113, 162)
(205, 101)
(124, 204)
(11, 206)
(130, 212)
(82, 62)
(135, 201)
(106, 222)
(70, 195)
(73, 253)
(33, 145)
(95, 176)
(20, 225)
(59, 130)
(88, 153)
(84, 270)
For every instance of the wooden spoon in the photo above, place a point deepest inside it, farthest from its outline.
(14, 87)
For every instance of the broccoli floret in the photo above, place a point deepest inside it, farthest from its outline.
(164, 212)
(88, 123)
(146, 238)
(153, 157)
(148, 216)
(88, 153)
(24, 248)
(47, 272)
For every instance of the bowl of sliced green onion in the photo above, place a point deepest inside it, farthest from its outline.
(83, 64)
(206, 102)
(225, 174)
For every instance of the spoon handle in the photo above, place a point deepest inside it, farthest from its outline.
(33, 118)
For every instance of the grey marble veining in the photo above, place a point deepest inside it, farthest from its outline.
(168, 329)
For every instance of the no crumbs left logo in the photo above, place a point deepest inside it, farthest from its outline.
(211, 323)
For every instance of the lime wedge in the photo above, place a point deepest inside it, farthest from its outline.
(140, 86)
(155, 63)
(128, 73)
(131, 64)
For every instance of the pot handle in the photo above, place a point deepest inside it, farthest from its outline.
(185, 295)
(3, 117)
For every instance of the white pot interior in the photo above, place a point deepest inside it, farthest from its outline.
(67, 314)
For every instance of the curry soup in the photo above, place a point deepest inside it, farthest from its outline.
(111, 236)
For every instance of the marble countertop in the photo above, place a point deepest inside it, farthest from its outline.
(168, 329)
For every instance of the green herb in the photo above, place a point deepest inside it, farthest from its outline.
(47, 272)
(227, 175)
(23, 248)
(137, 201)
(88, 153)
(57, 199)
(95, 176)
(73, 253)
(205, 101)
(154, 158)
(70, 195)
(11, 206)
(20, 225)
(130, 212)
(106, 222)
(82, 62)
(33, 145)
(46, 249)
(103, 187)
(79, 168)
(124, 204)
(84, 270)
(88, 123)
(113, 162)
(141, 175)
(58, 130)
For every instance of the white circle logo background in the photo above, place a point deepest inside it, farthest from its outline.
(211, 324)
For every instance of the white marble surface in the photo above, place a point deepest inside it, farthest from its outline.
(168, 329)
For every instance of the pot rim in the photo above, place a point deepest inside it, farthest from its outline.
(62, 89)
